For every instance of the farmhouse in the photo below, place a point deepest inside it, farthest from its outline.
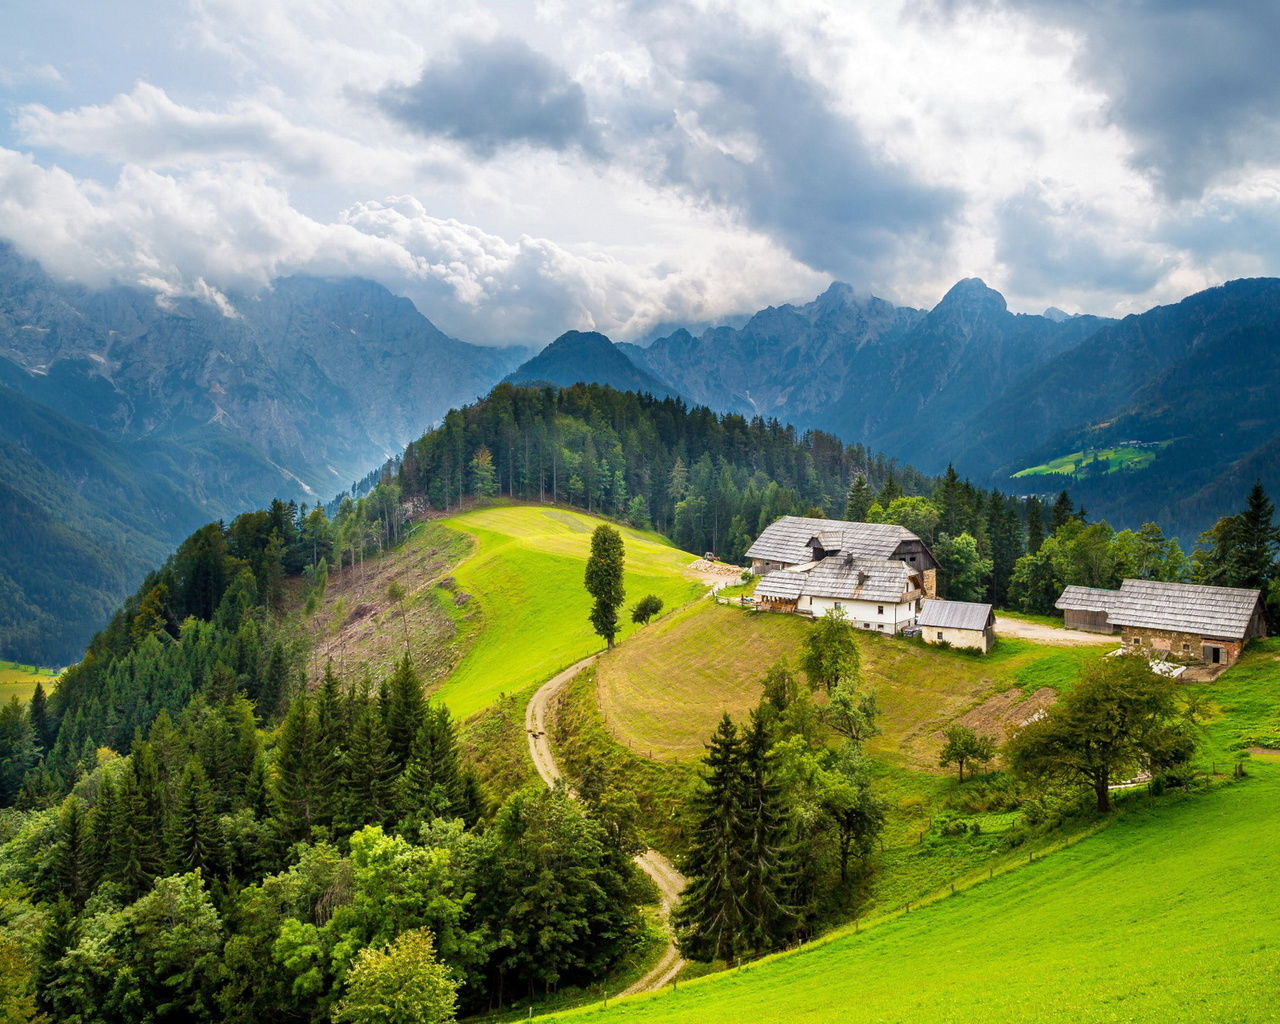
(1177, 621)
(958, 623)
(877, 575)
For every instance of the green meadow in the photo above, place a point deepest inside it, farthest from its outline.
(1110, 460)
(1166, 914)
(20, 680)
(526, 575)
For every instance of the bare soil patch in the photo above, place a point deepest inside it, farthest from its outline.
(1000, 714)
(360, 628)
(1050, 634)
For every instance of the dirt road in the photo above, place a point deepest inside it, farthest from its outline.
(537, 721)
(1049, 635)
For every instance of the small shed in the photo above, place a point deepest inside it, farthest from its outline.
(958, 623)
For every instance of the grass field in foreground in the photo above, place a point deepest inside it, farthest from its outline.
(665, 689)
(20, 681)
(526, 574)
(1167, 915)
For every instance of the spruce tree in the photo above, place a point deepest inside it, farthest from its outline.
(949, 497)
(604, 581)
(432, 785)
(293, 798)
(712, 921)
(890, 491)
(195, 834)
(769, 868)
(1064, 510)
(273, 684)
(103, 823)
(142, 821)
(367, 769)
(404, 712)
(331, 732)
(1257, 540)
(859, 500)
(1035, 524)
(71, 857)
(38, 716)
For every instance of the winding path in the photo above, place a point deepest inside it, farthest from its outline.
(670, 882)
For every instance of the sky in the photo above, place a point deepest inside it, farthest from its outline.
(519, 169)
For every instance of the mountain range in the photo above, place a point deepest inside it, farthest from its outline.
(1191, 385)
(126, 420)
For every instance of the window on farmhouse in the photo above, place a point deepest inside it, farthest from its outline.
(1137, 639)
(939, 634)
(879, 609)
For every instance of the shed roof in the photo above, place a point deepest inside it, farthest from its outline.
(1181, 607)
(1085, 599)
(955, 615)
(784, 585)
(787, 540)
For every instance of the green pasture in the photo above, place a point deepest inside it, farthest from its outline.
(526, 575)
(1166, 914)
(1110, 460)
(20, 680)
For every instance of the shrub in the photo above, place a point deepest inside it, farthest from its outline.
(646, 608)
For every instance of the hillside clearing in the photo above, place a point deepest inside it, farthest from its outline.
(664, 690)
(20, 681)
(525, 576)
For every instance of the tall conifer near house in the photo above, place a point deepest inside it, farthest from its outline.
(1035, 525)
(769, 867)
(604, 581)
(859, 500)
(404, 712)
(712, 921)
(366, 768)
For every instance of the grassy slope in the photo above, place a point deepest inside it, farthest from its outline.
(665, 689)
(20, 681)
(1164, 915)
(526, 574)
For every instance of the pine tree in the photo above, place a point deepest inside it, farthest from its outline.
(891, 491)
(293, 798)
(331, 731)
(713, 919)
(103, 823)
(484, 478)
(949, 497)
(273, 683)
(404, 712)
(604, 581)
(71, 857)
(1035, 524)
(1257, 540)
(769, 868)
(859, 500)
(432, 785)
(38, 715)
(367, 769)
(195, 834)
(1064, 510)
(141, 828)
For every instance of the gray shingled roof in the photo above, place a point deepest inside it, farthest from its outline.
(955, 615)
(1182, 607)
(860, 579)
(1085, 599)
(787, 540)
(781, 586)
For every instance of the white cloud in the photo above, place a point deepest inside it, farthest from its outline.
(746, 151)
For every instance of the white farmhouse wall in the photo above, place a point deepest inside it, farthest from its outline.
(865, 614)
(957, 637)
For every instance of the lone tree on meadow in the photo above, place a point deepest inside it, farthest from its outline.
(604, 581)
(964, 746)
(1121, 718)
(646, 608)
(830, 651)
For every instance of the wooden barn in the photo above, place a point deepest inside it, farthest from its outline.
(1175, 621)
(958, 623)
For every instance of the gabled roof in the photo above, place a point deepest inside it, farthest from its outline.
(955, 615)
(1085, 599)
(842, 579)
(787, 540)
(1180, 607)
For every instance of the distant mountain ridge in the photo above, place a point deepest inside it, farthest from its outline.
(588, 355)
(128, 420)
